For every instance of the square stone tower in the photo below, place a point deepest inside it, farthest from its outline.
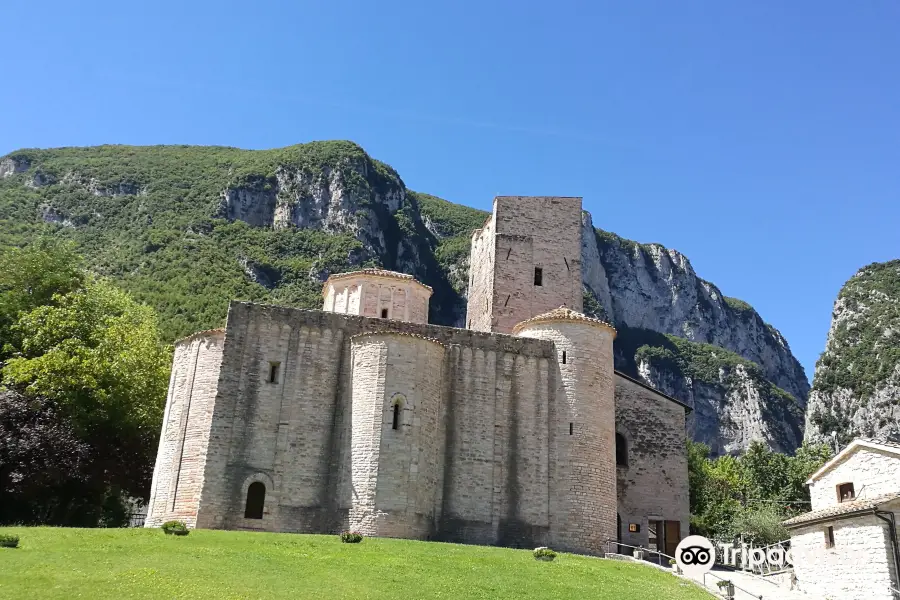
(525, 261)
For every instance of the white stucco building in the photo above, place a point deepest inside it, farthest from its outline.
(846, 547)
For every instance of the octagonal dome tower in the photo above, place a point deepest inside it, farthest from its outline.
(377, 293)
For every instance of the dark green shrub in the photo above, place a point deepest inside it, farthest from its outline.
(351, 537)
(175, 528)
(9, 541)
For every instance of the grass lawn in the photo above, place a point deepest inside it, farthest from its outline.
(144, 563)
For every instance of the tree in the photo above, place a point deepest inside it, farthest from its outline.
(750, 495)
(98, 356)
(31, 277)
(41, 458)
(89, 359)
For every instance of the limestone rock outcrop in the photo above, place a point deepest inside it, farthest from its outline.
(856, 387)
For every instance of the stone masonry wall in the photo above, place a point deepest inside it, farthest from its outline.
(653, 485)
(523, 234)
(178, 475)
(582, 436)
(295, 435)
(481, 278)
(859, 566)
(535, 232)
(282, 432)
(872, 472)
(497, 484)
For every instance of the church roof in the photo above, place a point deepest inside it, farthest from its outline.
(842, 509)
(562, 314)
(375, 273)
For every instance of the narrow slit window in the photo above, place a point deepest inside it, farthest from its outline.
(621, 451)
(829, 537)
(571, 428)
(384, 313)
(538, 276)
(273, 372)
(396, 422)
(564, 357)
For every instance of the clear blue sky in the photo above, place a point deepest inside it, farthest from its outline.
(761, 139)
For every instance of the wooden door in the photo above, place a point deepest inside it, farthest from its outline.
(673, 536)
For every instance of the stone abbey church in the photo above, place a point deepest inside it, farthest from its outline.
(514, 431)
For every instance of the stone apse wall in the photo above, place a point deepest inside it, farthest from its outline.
(181, 458)
(489, 447)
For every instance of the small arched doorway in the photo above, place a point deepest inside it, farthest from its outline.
(256, 500)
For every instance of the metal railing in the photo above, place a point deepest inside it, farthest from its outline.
(764, 568)
(617, 545)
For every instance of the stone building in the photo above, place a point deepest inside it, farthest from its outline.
(846, 548)
(515, 431)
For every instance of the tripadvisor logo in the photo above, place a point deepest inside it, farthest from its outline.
(695, 555)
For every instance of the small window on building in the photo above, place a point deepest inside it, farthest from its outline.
(273, 372)
(256, 500)
(621, 451)
(571, 428)
(564, 357)
(384, 313)
(538, 276)
(396, 423)
(845, 492)
(829, 537)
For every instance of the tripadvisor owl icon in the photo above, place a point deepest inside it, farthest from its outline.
(695, 555)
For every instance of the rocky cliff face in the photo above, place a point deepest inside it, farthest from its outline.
(186, 229)
(648, 286)
(856, 387)
(733, 402)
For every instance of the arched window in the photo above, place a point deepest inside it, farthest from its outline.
(397, 402)
(256, 499)
(621, 451)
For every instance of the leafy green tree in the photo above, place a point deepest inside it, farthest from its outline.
(749, 495)
(30, 277)
(98, 356)
(88, 357)
(760, 525)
